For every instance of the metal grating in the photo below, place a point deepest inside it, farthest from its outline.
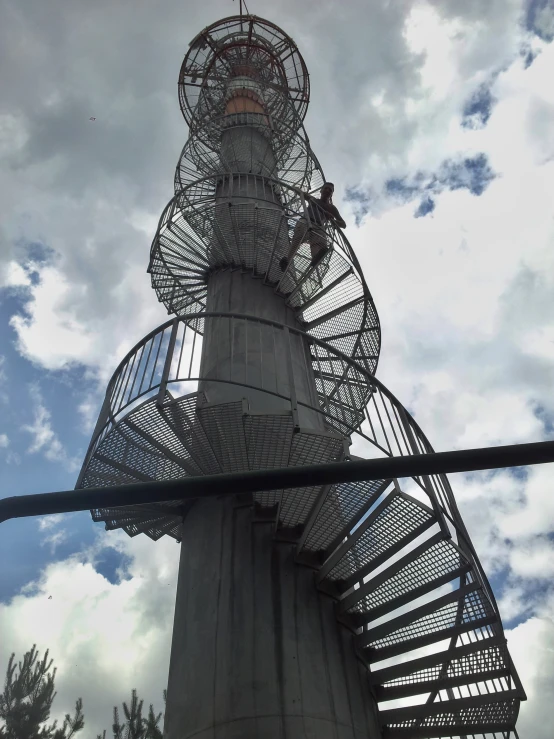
(395, 522)
(489, 659)
(458, 714)
(307, 448)
(181, 416)
(268, 442)
(433, 623)
(224, 431)
(342, 504)
(440, 560)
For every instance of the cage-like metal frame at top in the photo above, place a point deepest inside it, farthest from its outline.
(234, 42)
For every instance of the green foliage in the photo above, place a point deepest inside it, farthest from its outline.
(27, 699)
(26, 702)
(135, 726)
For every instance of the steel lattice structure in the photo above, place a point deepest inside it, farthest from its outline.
(262, 368)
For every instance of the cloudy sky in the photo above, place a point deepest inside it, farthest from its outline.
(435, 119)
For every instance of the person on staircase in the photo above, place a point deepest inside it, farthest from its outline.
(311, 230)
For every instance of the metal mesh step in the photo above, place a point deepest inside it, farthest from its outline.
(391, 526)
(433, 564)
(479, 713)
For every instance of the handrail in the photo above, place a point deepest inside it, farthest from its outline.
(185, 205)
(400, 421)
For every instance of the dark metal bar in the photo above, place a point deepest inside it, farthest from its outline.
(467, 460)
(168, 360)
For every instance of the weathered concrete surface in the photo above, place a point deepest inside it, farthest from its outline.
(257, 651)
(253, 353)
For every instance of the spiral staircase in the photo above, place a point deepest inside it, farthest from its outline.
(394, 555)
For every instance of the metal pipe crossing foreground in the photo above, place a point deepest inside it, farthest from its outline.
(188, 488)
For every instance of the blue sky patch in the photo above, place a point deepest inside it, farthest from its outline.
(472, 173)
(426, 206)
(539, 19)
(361, 201)
(25, 547)
(478, 108)
(112, 564)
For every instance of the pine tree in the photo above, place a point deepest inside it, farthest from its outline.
(135, 725)
(26, 702)
(27, 699)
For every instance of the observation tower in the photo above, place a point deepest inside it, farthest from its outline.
(349, 611)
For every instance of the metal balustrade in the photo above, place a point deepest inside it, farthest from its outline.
(352, 402)
(395, 555)
(275, 150)
(198, 235)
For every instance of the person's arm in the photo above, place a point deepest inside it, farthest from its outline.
(338, 218)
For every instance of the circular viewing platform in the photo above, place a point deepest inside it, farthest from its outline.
(254, 52)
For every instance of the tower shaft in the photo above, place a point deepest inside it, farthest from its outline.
(257, 651)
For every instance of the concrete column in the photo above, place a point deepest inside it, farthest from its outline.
(257, 652)
(252, 353)
(255, 354)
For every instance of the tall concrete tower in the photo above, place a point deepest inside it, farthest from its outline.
(352, 611)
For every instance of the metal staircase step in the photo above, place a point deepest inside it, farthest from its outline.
(405, 671)
(480, 714)
(334, 515)
(307, 447)
(394, 649)
(133, 528)
(268, 444)
(443, 683)
(171, 524)
(224, 431)
(399, 623)
(153, 428)
(434, 563)
(126, 469)
(395, 522)
(130, 453)
(180, 416)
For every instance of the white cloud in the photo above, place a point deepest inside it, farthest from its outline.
(4, 441)
(13, 274)
(46, 523)
(44, 438)
(51, 531)
(54, 539)
(105, 638)
(531, 645)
